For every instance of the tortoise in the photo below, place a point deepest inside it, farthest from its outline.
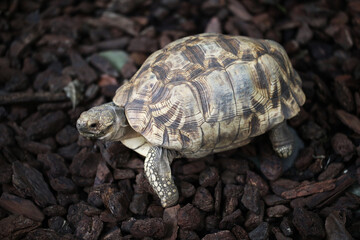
(200, 95)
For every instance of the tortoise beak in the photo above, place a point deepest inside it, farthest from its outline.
(90, 128)
(86, 127)
(82, 127)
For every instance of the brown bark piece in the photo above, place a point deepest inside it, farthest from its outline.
(82, 69)
(320, 199)
(203, 200)
(89, 228)
(335, 227)
(212, 222)
(231, 220)
(261, 232)
(88, 159)
(226, 235)
(155, 211)
(143, 44)
(309, 189)
(31, 182)
(251, 198)
(240, 233)
(20, 206)
(254, 219)
(349, 120)
(103, 174)
(232, 195)
(116, 201)
(119, 21)
(218, 196)
(209, 177)
(258, 182)
(55, 210)
(103, 65)
(214, 26)
(123, 174)
(46, 234)
(60, 225)
(272, 199)
(286, 227)
(304, 159)
(139, 203)
(192, 168)
(151, 227)
(277, 211)
(331, 171)
(189, 217)
(47, 126)
(344, 96)
(343, 146)
(239, 10)
(187, 189)
(309, 224)
(188, 235)
(239, 166)
(16, 226)
(170, 219)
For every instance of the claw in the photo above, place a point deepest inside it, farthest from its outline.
(284, 151)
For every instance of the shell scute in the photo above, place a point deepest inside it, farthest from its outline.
(211, 92)
(194, 54)
(213, 63)
(160, 71)
(229, 44)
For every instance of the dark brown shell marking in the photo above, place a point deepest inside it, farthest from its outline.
(211, 92)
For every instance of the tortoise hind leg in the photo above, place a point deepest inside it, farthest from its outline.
(282, 139)
(158, 172)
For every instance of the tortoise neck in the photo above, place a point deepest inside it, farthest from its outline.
(120, 126)
(122, 132)
(128, 133)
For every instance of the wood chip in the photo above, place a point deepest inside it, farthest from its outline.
(349, 120)
(239, 10)
(309, 189)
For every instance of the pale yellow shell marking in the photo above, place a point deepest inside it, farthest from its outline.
(210, 49)
(177, 62)
(211, 92)
(216, 82)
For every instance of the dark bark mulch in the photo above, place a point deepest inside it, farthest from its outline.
(58, 185)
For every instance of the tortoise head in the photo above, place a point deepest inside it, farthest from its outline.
(105, 122)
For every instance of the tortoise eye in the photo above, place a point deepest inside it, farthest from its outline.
(93, 125)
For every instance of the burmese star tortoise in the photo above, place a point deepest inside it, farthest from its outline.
(200, 95)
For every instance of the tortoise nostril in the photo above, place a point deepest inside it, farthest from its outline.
(80, 124)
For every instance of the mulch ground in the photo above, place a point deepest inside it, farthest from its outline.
(58, 185)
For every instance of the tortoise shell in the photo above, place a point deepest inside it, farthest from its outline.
(211, 92)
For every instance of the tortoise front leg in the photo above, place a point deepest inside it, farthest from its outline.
(282, 139)
(158, 172)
